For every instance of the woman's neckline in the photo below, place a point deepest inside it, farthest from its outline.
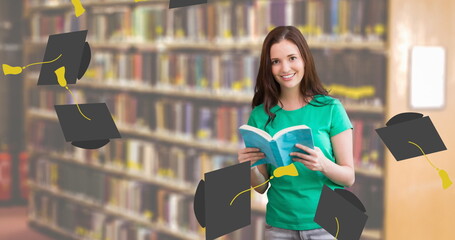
(296, 108)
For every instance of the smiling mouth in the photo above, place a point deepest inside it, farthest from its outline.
(287, 77)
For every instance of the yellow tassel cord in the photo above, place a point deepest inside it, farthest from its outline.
(250, 189)
(446, 182)
(338, 227)
(7, 69)
(77, 105)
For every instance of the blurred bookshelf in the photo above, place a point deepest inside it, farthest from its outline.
(178, 83)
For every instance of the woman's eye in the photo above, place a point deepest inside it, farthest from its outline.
(274, 61)
(293, 58)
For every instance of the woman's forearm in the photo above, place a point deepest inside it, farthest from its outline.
(342, 175)
(258, 176)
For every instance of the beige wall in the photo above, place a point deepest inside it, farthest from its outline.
(416, 206)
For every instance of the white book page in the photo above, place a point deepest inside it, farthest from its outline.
(258, 131)
(289, 129)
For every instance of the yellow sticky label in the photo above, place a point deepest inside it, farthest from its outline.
(203, 134)
(180, 33)
(227, 34)
(237, 85)
(90, 73)
(379, 29)
(159, 30)
(247, 82)
(352, 92)
(374, 155)
(318, 30)
(216, 85)
(110, 74)
(148, 214)
(204, 82)
(133, 165)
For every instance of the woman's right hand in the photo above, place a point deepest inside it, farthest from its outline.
(250, 154)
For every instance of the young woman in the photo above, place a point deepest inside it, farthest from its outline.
(288, 92)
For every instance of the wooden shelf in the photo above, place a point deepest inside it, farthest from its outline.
(201, 94)
(374, 173)
(116, 212)
(372, 234)
(87, 4)
(209, 145)
(42, 224)
(254, 46)
(184, 188)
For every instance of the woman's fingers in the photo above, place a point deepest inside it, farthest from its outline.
(249, 150)
(251, 156)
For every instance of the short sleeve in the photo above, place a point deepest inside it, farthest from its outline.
(252, 119)
(340, 120)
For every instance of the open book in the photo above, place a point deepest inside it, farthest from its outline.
(278, 147)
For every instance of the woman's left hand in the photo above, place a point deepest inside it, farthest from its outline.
(314, 160)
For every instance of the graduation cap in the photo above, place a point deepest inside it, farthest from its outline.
(83, 133)
(184, 3)
(409, 135)
(73, 54)
(341, 214)
(212, 199)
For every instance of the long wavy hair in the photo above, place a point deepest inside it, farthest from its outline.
(267, 90)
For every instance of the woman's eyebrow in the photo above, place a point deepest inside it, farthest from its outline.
(290, 55)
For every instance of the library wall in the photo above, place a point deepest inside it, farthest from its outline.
(178, 84)
(416, 205)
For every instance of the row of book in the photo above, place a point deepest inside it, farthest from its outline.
(195, 70)
(182, 118)
(150, 159)
(357, 76)
(92, 223)
(183, 163)
(86, 223)
(99, 187)
(368, 153)
(354, 76)
(224, 20)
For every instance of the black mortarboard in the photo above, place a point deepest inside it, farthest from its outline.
(75, 57)
(409, 127)
(184, 3)
(213, 198)
(341, 214)
(84, 133)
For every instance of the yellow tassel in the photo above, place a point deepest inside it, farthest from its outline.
(446, 182)
(7, 69)
(288, 170)
(78, 8)
(61, 76)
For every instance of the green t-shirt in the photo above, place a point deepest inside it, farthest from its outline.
(292, 201)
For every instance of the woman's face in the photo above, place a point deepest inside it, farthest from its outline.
(287, 64)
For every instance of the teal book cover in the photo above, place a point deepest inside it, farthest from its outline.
(278, 147)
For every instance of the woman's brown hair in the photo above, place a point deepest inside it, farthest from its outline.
(267, 90)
